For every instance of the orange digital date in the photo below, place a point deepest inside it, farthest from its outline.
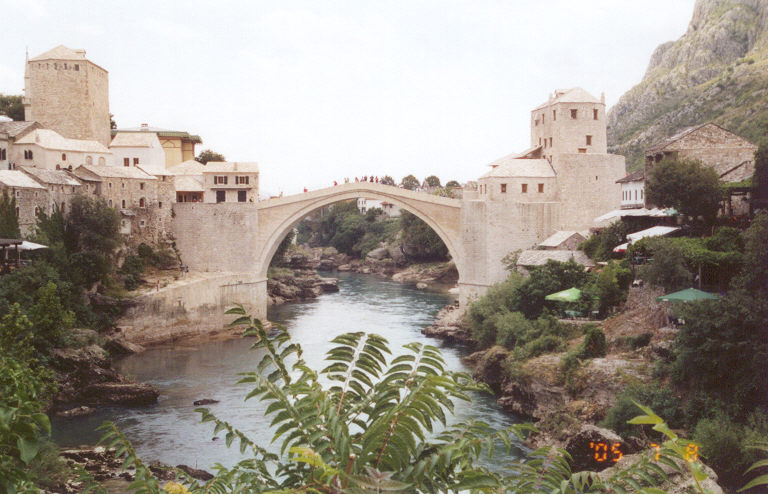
(602, 450)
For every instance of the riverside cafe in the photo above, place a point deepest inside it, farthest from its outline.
(10, 253)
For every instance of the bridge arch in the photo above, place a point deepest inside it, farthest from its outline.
(278, 216)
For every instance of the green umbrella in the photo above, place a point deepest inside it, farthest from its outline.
(687, 295)
(569, 295)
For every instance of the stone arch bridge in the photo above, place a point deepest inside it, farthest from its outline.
(228, 248)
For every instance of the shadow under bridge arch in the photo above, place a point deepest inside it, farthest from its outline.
(277, 216)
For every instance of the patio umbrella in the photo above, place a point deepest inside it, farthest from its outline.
(687, 295)
(569, 295)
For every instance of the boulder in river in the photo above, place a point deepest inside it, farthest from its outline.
(204, 401)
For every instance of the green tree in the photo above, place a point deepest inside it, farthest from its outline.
(282, 249)
(419, 240)
(410, 182)
(668, 269)
(600, 245)
(432, 181)
(11, 106)
(92, 234)
(9, 222)
(550, 278)
(387, 180)
(452, 183)
(686, 185)
(208, 155)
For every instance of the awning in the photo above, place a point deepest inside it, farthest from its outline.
(687, 295)
(569, 295)
(31, 246)
(656, 231)
(621, 247)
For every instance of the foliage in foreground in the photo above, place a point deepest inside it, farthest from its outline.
(383, 425)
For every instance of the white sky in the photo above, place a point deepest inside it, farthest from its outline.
(317, 90)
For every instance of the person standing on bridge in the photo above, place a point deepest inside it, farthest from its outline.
(356, 180)
(305, 189)
(335, 183)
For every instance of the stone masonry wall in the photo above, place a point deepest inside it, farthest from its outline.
(216, 237)
(192, 307)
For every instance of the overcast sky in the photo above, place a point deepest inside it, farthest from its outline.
(316, 91)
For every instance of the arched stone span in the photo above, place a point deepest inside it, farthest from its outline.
(277, 216)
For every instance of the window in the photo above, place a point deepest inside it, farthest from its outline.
(160, 205)
(63, 156)
(589, 140)
(583, 150)
(110, 185)
(241, 180)
(503, 188)
(240, 196)
(135, 161)
(574, 114)
(550, 142)
(541, 188)
(122, 184)
(123, 203)
(594, 113)
(219, 180)
(545, 143)
(102, 161)
(89, 160)
(641, 194)
(141, 202)
(554, 114)
(126, 161)
(141, 186)
(17, 211)
(221, 196)
(539, 141)
(142, 223)
(542, 119)
(110, 203)
(77, 68)
(524, 188)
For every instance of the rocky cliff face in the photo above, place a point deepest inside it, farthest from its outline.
(717, 71)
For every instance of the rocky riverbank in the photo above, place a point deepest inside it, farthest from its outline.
(387, 261)
(537, 389)
(291, 285)
(86, 379)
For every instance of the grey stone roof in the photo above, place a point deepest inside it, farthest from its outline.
(637, 176)
(15, 128)
(53, 177)
(529, 258)
(559, 237)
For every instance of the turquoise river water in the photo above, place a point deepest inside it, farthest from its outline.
(170, 431)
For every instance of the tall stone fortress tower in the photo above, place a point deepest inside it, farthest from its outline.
(569, 130)
(68, 93)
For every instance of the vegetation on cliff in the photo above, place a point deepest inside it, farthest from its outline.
(717, 71)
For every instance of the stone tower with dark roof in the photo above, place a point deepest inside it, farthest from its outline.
(68, 93)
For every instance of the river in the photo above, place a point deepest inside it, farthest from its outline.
(170, 431)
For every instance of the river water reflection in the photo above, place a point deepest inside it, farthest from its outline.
(170, 431)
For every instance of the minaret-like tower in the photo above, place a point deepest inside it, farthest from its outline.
(68, 93)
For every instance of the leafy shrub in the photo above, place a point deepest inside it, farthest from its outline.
(668, 269)
(722, 443)
(600, 245)
(658, 397)
(541, 345)
(594, 343)
(634, 342)
(132, 269)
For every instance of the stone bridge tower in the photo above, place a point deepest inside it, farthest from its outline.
(68, 93)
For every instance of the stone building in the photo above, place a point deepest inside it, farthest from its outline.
(45, 148)
(30, 197)
(69, 94)
(188, 180)
(230, 181)
(562, 182)
(633, 190)
(14, 130)
(145, 214)
(730, 155)
(61, 185)
(138, 149)
(179, 146)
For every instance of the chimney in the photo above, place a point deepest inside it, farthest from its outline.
(602, 97)
(144, 126)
